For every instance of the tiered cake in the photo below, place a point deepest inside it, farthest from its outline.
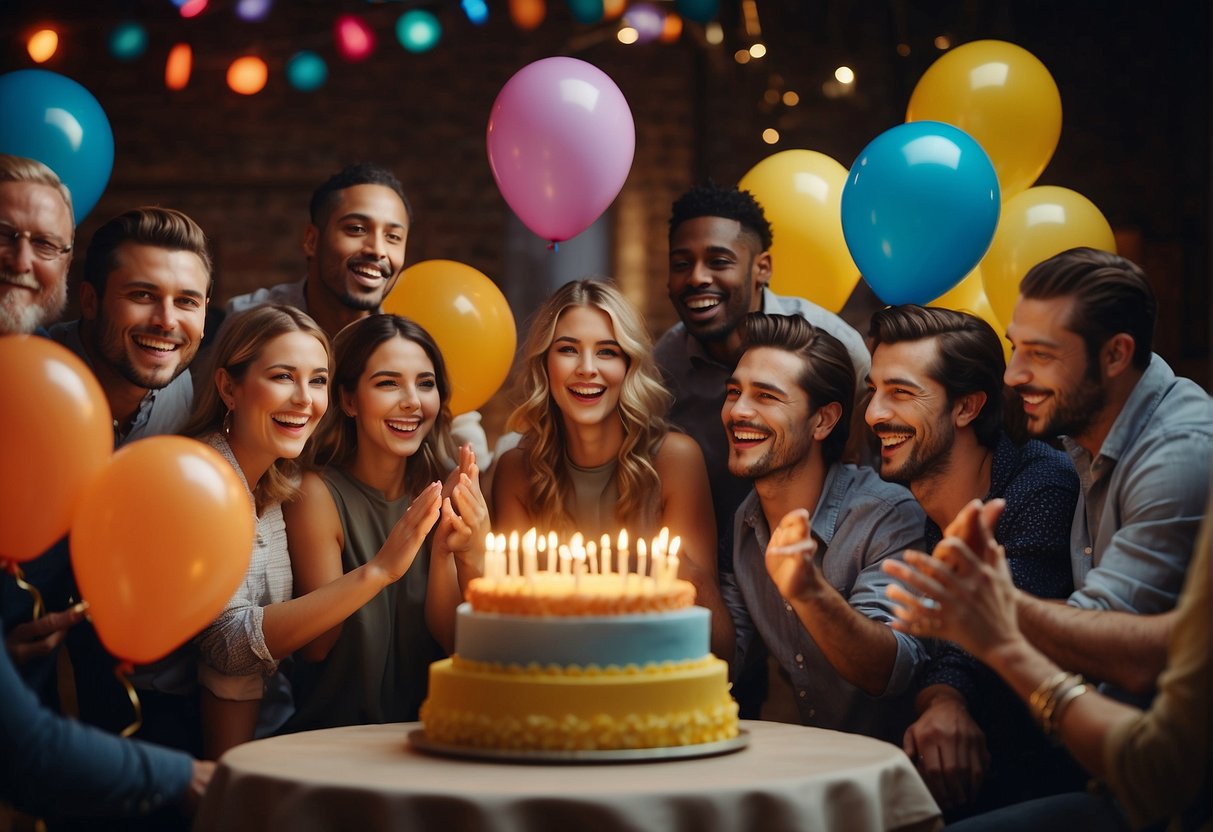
(547, 660)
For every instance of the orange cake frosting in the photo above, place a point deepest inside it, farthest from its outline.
(564, 595)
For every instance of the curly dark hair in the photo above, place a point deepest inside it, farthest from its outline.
(711, 200)
(362, 173)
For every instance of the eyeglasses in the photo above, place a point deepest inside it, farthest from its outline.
(44, 248)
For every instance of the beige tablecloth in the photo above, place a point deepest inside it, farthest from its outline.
(369, 778)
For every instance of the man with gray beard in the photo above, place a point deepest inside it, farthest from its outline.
(36, 232)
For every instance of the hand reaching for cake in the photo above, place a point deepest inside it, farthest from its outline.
(790, 555)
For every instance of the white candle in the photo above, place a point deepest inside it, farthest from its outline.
(642, 557)
(622, 551)
(530, 560)
(553, 551)
(672, 564)
(514, 570)
(499, 546)
(591, 552)
(566, 560)
(605, 547)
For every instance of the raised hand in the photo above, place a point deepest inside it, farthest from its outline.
(963, 594)
(32, 639)
(398, 551)
(790, 555)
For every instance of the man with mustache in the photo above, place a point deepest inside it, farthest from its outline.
(1141, 439)
(720, 265)
(36, 231)
(936, 406)
(354, 243)
(811, 535)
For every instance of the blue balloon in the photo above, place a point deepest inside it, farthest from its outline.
(701, 11)
(919, 210)
(51, 118)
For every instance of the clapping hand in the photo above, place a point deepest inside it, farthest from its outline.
(790, 555)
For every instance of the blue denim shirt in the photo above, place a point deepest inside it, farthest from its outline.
(697, 381)
(859, 521)
(1142, 497)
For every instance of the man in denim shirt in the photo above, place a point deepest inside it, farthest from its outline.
(812, 592)
(1141, 439)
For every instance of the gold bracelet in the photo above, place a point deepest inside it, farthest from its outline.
(1044, 711)
(1040, 695)
(1063, 703)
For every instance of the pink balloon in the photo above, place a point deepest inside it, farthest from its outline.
(560, 144)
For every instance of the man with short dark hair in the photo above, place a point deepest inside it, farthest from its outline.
(720, 268)
(810, 536)
(937, 408)
(1140, 437)
(147, 281)
(359, 222)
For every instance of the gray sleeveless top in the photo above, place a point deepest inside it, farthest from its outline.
(378, 670)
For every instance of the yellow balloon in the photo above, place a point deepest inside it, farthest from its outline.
(1035, 225)
(1003, 97)
(801, 194)
(470, 320)
(970, 296)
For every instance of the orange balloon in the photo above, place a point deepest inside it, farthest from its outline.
(56, 434)
(470, 321)
(160, 542)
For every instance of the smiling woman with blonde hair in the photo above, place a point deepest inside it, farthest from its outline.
(597, 454)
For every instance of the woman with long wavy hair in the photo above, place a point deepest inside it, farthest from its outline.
(270, 371)
(597, 454)
(375, 454)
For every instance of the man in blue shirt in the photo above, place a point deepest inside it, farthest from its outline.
(812, 591)
(1141, 439)
(937, 408)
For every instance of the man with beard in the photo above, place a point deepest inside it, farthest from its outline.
(720, 265)
(937, 408)
(354, 244)
(1141, 439)
(147, 279)
(812, 592)
(36, 231)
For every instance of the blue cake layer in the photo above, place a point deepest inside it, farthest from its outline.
(602, 640)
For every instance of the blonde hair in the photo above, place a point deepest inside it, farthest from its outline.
(240, 343)
(20, 169)
(643, 404)
(336, 440)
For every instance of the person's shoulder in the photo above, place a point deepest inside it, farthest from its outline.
(678, 449)
(868, 484)
(671, 345)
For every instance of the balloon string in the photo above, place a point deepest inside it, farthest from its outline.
(553, 246)
(19, 576)
(120, 672)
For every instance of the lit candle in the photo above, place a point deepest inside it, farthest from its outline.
(642, 557)
(591, 551)
(566, 560)
(514, 570)
(622, 550)
(658, 557)
(530, 559)
(488, 571)
(605, 547)
(578, 567)
(499, 546)
(553, 551)
(672, 563)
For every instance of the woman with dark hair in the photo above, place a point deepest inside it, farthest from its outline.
(270, 391)
(372, 462)
(597, 454)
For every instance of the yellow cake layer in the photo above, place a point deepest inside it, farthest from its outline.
(490, 706)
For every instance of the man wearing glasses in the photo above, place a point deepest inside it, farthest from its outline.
(36, 229)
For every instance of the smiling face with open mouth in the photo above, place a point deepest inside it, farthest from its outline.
(279, 401)
(909, 412)
(33, 291)
(397, 398)
(766, 414)
(586, 366)
(716, 273)
(148, 323)
(359, 252)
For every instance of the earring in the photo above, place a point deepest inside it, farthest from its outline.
(227, 422)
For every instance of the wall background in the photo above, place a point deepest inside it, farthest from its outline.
(1134, 80)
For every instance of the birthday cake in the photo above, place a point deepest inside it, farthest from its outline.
(550, 661)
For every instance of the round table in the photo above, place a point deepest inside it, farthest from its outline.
(369, 777)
